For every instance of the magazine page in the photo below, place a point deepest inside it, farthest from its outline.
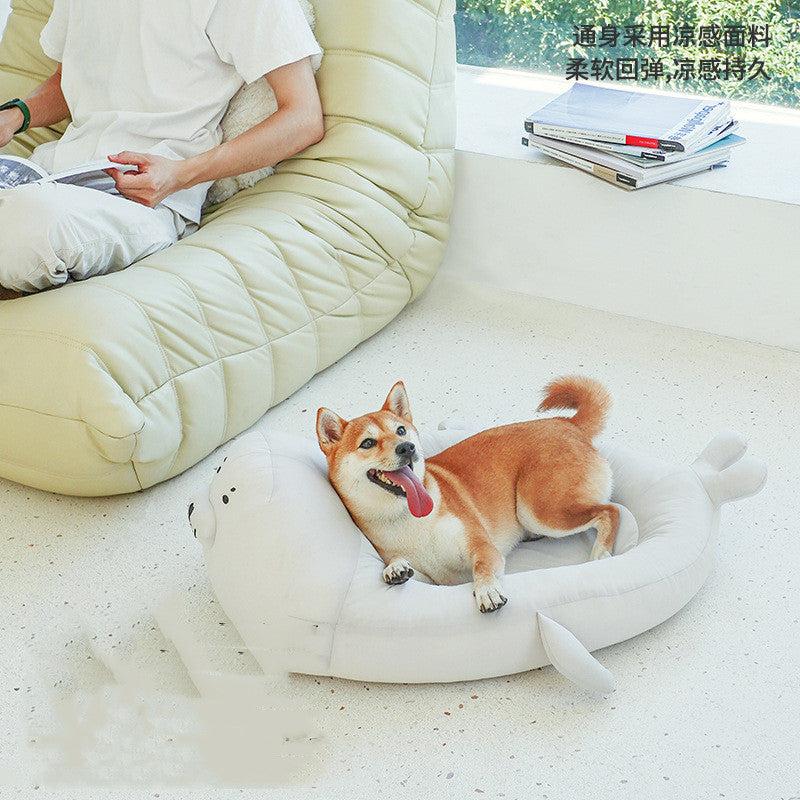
(95, 168)
(15, 171)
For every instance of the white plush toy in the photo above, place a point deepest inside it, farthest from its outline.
(300, 582)
(252, 104)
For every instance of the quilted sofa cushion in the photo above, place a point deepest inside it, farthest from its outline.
(119, 382)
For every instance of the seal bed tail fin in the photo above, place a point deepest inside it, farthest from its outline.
(587, 396)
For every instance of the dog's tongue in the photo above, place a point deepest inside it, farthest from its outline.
(419, 501)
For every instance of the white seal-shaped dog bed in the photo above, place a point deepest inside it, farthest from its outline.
(303, 586)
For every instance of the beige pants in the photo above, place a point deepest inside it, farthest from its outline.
(54, 232)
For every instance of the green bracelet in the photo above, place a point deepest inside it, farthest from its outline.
(26, 113)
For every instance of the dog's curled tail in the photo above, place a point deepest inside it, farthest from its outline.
(587, 396)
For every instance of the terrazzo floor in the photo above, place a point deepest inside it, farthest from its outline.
(97, 700)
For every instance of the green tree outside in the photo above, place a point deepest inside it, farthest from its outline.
(731, 58)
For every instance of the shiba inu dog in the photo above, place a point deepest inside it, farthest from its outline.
(458, 514)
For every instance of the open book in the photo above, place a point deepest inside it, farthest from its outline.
(15, 171)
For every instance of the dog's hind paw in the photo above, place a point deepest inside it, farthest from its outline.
(399, 571)
(489, 598)
(598, 552)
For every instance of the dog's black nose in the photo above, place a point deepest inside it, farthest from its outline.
(405, 449)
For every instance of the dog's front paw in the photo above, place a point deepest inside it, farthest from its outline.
(399, 571)
(489, 598)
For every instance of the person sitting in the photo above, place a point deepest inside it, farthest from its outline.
(147, 83)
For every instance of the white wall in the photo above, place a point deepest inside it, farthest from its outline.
(683, 256)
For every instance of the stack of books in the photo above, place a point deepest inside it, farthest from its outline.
(634, 139)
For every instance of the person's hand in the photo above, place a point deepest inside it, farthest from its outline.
(10, 121)
(157, 177)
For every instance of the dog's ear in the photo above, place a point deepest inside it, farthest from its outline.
(397, 402)
(330, 427)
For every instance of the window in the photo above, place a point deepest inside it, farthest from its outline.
(742, 49)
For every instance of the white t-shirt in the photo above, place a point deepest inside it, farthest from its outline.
(156, 76)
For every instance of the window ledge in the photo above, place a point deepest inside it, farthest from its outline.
(715, 252)
(493, 103)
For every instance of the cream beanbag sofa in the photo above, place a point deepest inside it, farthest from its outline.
(304, 588)
(124, 380)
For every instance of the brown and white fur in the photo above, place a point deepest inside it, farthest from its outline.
(487, 493)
